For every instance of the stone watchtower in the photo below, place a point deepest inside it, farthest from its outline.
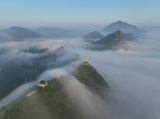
(43, 84)
(85, 63)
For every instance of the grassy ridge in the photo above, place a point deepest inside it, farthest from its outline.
(52, 102)
(88, 75)
(47, 103)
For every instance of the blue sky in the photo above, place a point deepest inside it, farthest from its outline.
(78, 13)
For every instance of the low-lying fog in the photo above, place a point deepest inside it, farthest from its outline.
(133, 75)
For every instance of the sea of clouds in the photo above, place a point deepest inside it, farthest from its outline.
(133, 74)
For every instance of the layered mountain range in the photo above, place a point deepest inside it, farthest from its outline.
(53, 32)
(112, 41)
(17, 34)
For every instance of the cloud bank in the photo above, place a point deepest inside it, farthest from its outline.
(132, 74)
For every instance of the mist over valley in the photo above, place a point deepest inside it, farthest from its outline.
(127, 65)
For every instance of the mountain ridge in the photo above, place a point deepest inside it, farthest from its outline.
(55, 32)
(112, 40)
(50, 102)
(18, 33)
(124, 27)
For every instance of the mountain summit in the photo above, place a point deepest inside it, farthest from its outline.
(124, 27)
(113, 40)
(93, 36)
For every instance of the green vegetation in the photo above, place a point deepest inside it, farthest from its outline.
(52, 102)
(88, 75)
(43, 82)
(47, 103)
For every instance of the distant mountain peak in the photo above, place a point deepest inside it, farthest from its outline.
(121, 22)
(88, 75)
(19, 33)
(54, 32)
(123, 26)
(119, 31)
(112, 40)
(93, 35)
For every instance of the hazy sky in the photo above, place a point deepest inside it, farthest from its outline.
(78, 13)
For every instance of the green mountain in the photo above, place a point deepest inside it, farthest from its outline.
(52, 102)
(88, 75)
(112, 41)
(124, 27)
(93, 36)
(28, 71)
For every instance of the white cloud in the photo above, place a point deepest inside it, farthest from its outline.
(133, 75)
